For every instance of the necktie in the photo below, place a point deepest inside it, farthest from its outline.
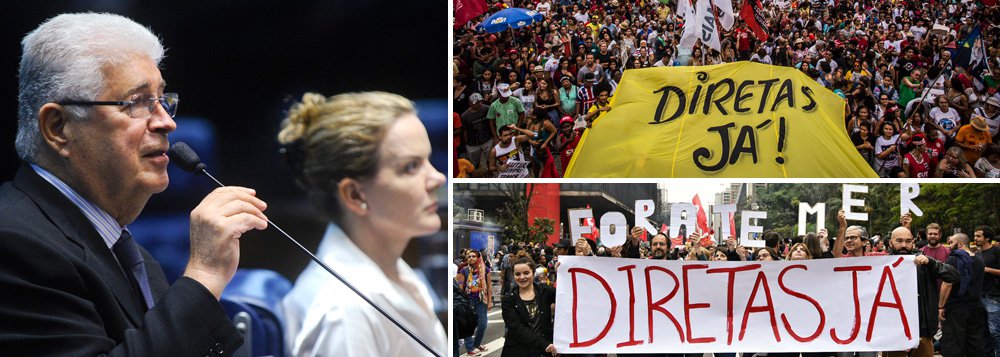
(130, 259)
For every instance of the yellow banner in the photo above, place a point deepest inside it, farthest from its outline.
(735, 120)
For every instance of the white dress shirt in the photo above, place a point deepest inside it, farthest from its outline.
(325, 318)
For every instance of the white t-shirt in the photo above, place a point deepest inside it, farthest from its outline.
(983, 165)
(891, 160)
(993, 123)
(946, 120)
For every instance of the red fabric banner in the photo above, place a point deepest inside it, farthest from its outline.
(466, 10)
(754, 17)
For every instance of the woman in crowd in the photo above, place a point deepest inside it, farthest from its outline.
(953, 165)
(478, 289)
(798, 251)
(547, 99)
(989, 164)
(767, 254)
(363, 159)
(910, 86)
(886, 150)
(542, 132)
(864, 141)
(814, 244)
(862, 114)
(527, 313)
(917, 163)
(527, 94)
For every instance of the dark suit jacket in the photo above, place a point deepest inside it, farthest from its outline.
(520, 340)
(63, 293)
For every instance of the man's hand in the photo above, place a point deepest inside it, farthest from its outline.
(842, 219)
(216, 226)
(921, 260)
(616, 251)
(905, 220)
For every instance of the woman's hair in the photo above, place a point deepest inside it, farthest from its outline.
(774, 253)
(328, 139)
(64, 59)
(522, 257)
(957, 151)
(803, 245)
(813, 245)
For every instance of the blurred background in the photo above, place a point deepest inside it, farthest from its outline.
(237, 67)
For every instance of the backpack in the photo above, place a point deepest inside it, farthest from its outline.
(465, 315)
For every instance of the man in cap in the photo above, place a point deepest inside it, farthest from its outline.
(568, 97)
(567, 141)
(478, 131)
(504, 111)
(92, 135)
(973, 138)
(539, 73)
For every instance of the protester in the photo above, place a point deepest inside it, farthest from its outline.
(989, 164)
(928, 271)
(963, 318)
(478, 289)
(954, 165)
(917, 163)
(380, 175)
(863, 50)
(527, 313)
(990, 254)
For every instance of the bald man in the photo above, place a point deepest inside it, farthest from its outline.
(901, 242)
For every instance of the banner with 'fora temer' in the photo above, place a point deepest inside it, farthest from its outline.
(617, 305)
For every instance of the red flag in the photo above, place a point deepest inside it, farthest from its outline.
(702, 221)
(732, 225)
(754, 17)
(466, 10)
(675, 241)
(594, 232)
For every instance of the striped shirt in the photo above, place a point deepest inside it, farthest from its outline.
(105, 225)
(587, 98)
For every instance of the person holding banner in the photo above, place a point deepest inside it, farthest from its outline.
(506, 158)
(527, 313)
(928, 271)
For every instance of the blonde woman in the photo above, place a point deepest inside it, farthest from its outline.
(362, 158)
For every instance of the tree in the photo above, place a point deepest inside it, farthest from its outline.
(514, 215)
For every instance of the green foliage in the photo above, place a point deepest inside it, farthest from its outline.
(514, 215)
(958, 205)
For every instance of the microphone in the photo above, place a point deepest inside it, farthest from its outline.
(185, 157)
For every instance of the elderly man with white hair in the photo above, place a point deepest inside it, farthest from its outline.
(93, 121)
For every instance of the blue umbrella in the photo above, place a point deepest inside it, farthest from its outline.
(512, 18)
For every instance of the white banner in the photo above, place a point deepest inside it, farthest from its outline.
(615, 305)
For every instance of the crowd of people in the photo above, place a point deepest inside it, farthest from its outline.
(911, 109)
(958, 283)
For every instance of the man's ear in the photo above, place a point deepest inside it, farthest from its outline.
(352, 197)
(52, 125)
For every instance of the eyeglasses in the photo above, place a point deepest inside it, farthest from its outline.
(139, 106)
(852, 237)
